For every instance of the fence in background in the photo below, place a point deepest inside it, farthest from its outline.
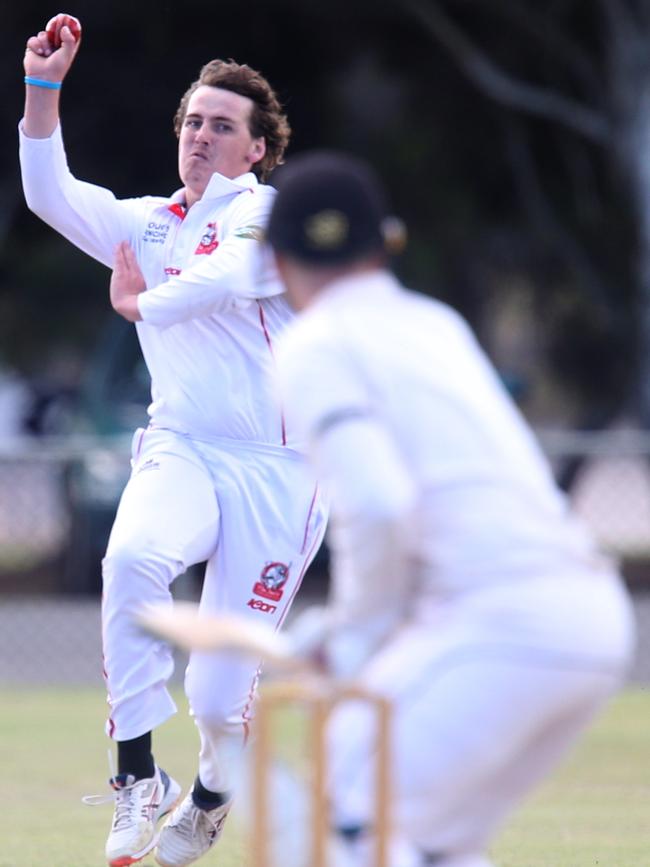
(607, 475)
(58, 498)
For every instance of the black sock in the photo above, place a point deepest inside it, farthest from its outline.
(204, 799)
(134, 757)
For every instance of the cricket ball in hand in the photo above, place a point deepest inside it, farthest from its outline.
(54, 25)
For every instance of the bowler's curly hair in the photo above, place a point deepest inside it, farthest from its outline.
(267, 118)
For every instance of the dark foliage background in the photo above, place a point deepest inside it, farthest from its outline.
(528, 218)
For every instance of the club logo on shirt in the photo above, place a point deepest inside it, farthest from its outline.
(208, 242)
(272, 580)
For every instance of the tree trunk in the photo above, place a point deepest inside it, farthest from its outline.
(630, 92)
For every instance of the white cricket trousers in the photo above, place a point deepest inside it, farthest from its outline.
(254, 514)
(490, 690)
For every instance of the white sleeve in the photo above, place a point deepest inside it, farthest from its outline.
(371, 524)
(87, 215)
(371, 490)
(239, 270)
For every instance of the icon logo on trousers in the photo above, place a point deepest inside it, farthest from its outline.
(258, 605)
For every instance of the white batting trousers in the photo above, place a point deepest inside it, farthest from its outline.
(489, 693)
(253, 513)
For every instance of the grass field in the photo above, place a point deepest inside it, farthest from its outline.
(594, 811)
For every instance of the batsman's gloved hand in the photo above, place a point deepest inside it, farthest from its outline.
(338, 647)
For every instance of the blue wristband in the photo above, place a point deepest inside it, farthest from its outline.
(39, 82)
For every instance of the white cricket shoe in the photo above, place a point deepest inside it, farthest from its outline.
(189, 833)
(139, 804)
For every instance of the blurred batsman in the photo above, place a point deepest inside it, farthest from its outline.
(462, 588)
(216, 475)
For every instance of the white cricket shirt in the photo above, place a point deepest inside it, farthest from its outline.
(436, 479)
(213, 308)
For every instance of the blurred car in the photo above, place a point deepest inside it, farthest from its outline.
(110, 405)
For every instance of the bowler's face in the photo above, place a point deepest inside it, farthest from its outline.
(215, 137)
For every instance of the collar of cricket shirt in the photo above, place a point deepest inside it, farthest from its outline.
(219, 185)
